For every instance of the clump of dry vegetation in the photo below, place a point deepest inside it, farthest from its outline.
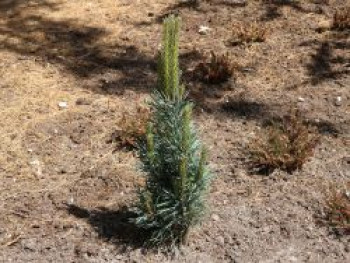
(286, 146)
(132, 128)
(245, 33)
(341, 18)
(215, 70)
(338, 208)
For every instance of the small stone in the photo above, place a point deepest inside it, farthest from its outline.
(301, 99)
(293, 259)
(204, 30)
(347, 193)
(215, 217)
(221, 240)
(338, 101)
(70, 201)
(37, 167)
(35, 163)
(62, 104)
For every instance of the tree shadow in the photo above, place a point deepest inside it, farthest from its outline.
(203, 5)
(196, 6)
(113, 226)
(176, 8)
(240, 107)
(320, 67)
(271, 13)
(108, 68)
(230, 3)
(331, 59)
(325, 127)
(272, 8)
(266, 115)
(14, 6)
(77, 48)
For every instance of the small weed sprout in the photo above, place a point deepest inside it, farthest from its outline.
(172, 157)
(286, 146)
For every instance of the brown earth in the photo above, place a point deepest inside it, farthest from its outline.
(64, 187)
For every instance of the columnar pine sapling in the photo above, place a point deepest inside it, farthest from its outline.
(173, 159)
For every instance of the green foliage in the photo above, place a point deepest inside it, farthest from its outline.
(168, 65)
(172, 156)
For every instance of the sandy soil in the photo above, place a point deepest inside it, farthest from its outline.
(64, 187)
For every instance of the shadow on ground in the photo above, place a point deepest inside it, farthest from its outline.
(114, 67)
(249, 109)
(13, 6)
(272, 8)
(331, 58)
(199, 6)
(114, 226)
(75, 47)
(80, 50)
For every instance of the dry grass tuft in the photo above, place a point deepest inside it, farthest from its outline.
(132, 128)
(341, 18)
(217, 69)
(338, 208)
(286, 146)
(245, 33)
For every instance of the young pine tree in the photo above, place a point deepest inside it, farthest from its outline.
(173, 159)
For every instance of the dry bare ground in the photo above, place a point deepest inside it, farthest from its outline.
(64, 187)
